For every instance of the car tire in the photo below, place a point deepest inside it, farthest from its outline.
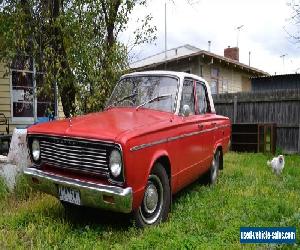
(215, 168)
(156, 202)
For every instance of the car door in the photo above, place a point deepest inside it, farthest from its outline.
(206, 124)
(191, 147)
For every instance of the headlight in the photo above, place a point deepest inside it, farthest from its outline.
(115, 163)
(35, 149)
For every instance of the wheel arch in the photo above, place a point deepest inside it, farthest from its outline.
(165, 161)
(163, 158)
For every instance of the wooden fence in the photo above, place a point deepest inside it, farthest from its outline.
(281, 107)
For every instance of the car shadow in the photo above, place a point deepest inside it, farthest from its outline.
(83, 216)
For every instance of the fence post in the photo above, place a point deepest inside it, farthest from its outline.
(234, 109)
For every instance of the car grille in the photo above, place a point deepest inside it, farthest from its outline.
(76, 155)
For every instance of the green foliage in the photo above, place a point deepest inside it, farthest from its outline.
(74, 43)
(22, 189)
(3, 190)
(279, 151)
(202, 217)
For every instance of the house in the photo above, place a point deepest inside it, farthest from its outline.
(275, 82)
(225, 74)
(20, 99)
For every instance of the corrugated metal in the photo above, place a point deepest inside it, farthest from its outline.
(291, 81)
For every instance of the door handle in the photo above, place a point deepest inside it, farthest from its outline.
(214, 123)
(200, 126)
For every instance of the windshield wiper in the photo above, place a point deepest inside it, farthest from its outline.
(122, 99)
(157, 98)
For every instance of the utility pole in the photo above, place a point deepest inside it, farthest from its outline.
(165, 30)
(283, 56)
(238, 29)
(209, 46)
(249, 58)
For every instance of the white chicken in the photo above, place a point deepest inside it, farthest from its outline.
(277, 164)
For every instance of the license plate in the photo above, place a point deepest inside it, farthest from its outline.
(69, 195)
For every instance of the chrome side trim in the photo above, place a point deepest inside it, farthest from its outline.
(91, 194)
(146, 145)
(224, 126)
(174, 138)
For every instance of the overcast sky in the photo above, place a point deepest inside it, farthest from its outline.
(264, 31)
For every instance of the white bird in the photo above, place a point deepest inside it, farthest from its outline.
(277, 164)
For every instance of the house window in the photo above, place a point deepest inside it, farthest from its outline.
(214, 87)
(215, 73)
(22, 94)
(27, 95)
(201, 70)
(214, 80)
(225, 86)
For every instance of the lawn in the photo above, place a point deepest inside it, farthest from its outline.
(203, 217)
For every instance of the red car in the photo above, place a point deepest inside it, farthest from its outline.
(158, 133)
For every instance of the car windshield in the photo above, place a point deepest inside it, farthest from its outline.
(154, 92)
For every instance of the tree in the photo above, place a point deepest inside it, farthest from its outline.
(295, 19)
(74, 42)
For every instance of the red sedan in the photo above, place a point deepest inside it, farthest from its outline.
(158, 133)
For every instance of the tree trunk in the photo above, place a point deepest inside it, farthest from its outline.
(66, 87)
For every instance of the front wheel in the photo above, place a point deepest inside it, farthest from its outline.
(157, 198)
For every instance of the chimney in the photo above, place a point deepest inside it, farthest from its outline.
(209, 44)
(232, 53)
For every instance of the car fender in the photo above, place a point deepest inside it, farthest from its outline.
(140, 188)
(155, 156)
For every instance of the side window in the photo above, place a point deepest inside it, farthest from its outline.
(201, 98)
(187, 97)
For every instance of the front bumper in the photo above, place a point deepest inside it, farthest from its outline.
(91, 194)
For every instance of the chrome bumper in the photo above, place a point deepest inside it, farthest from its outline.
(91, 194)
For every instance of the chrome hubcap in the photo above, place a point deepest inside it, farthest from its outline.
(151, 199)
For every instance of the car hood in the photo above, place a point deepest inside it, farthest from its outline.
(106, 125)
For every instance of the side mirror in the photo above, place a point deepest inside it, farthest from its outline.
(186, 110)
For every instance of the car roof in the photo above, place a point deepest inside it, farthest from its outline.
(165, 72)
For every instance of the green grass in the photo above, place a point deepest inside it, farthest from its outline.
(247, 194)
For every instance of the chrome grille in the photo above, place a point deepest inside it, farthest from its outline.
(76, 155)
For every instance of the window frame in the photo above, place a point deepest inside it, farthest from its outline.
(215, 78)
(27, 120)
